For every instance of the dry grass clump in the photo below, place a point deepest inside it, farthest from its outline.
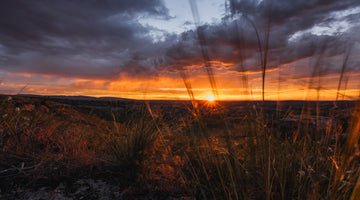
(46, 143)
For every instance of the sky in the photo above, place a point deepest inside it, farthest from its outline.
(143, 49)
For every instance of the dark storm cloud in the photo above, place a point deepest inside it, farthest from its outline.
(225, 44)
(101, 39)
(234, 40)
(308, 12)
(80, 38)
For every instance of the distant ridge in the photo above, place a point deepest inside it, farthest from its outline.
(114, 99)
(84, 98)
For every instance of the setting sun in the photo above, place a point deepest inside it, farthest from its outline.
(210, 98)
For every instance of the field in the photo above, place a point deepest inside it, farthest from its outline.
(89, 148)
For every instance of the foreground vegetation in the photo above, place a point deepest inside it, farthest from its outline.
(249, 150)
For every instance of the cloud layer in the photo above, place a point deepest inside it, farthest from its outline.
(77, 38)
(104, 40)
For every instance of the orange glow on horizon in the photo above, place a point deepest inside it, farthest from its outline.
(170, 86)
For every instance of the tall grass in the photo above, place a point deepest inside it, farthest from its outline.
(258, 162)
(131, 140)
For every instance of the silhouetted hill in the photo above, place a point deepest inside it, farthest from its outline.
(80, 98)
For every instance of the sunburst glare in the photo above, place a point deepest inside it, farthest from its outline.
(210, 98)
